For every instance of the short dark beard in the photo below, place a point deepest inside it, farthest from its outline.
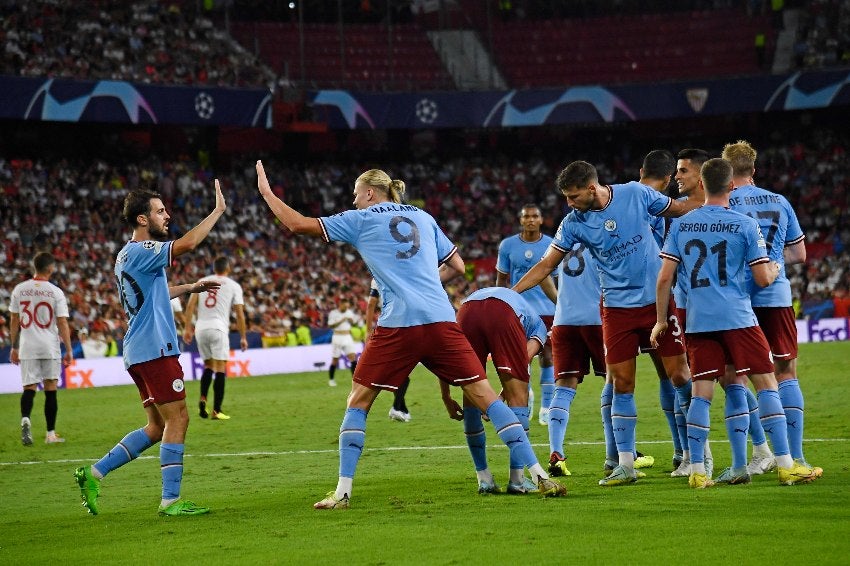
(156, 234)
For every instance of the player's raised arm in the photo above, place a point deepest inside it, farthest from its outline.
(190, 240)
(291, 218)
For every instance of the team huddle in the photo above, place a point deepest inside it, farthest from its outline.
(697, 282)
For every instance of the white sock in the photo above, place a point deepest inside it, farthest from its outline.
(516, 475)
(343, 487)
(627, 459)
(698, 468)
(537, 471)
(25, 420)
(485, 475)
(762, 451)
(96, 473)
(785, 461)
(166, 502)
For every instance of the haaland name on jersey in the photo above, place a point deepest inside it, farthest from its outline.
(387, 208)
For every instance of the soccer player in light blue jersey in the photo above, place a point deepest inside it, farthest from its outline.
(577, 345)
(715, 245)
(151, 347)
(410, 257)
(612, 222)
(657, 171)
(688, 165)
(517, 254)
(500, 323)
(772, 305)
(739, 399)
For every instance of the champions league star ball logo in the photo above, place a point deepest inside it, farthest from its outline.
(426, 111)
(68, 101)
(204, 105)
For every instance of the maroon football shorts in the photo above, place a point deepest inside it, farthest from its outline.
(394, 352)
(626, 331)
(575, 348)
(780, 329)
(159, 381)
(745, 348)
(492, 327)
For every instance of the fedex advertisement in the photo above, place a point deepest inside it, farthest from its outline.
(823, 330)
(100, 372)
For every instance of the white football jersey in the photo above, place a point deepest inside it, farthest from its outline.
(214, 306)
(336, 316)
(39, 303)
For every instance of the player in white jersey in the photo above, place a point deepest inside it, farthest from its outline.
(213, 333)
(38, 320)
(341, 320)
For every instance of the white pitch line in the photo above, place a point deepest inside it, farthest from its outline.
(334, 451)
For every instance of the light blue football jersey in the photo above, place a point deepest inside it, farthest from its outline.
(516, 257)
(532, 324)
(658, 225)
(680, 289)
(578, 289)
(715, 245)
(780, 228)
(143, 291)
(403, 248)
(620, 239)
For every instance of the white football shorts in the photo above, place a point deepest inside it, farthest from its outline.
(213, 344)
(342, 344)
(36, 371)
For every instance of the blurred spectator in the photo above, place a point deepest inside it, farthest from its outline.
(94, 344)
(840, 303)
(823, 34)
(145, 41)
(302, 332)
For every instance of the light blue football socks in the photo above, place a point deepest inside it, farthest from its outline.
(737, 421)
(559, 417)
(352, 438)
(792, 403)
(126, 450)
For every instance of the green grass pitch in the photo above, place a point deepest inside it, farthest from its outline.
(414, 499)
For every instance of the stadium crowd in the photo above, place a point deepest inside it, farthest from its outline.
(72, 209)
(176, 42)
(823, 36)
(147, 42)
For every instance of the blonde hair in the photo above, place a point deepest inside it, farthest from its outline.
(742, 156)
(377, 179)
